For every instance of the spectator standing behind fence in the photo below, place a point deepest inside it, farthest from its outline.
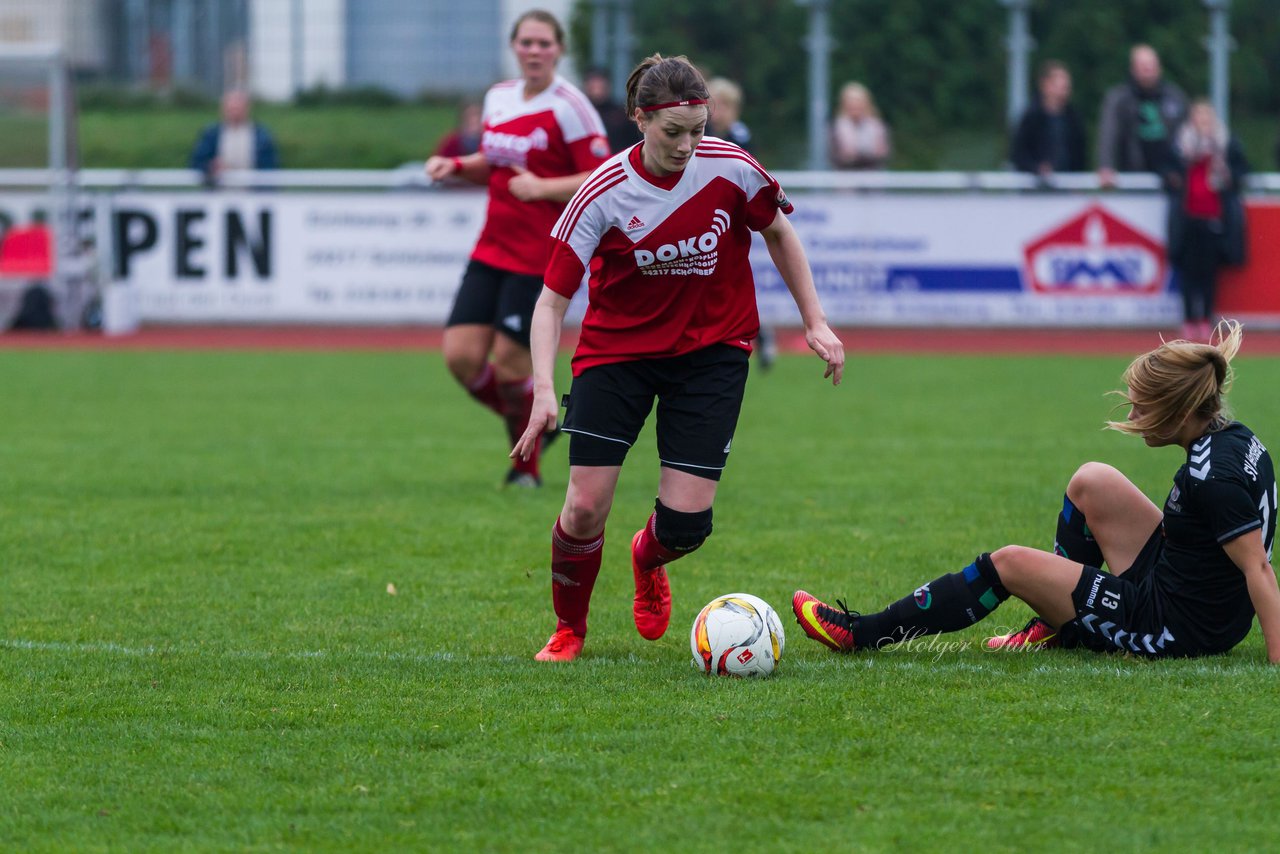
(1050, 136)
(236, 142)
(726, 113)
(465, 138)
(618, 126)
(1138, 120)
(859, 138)
(1206, 213)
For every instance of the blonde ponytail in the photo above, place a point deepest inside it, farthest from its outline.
(1179, 380)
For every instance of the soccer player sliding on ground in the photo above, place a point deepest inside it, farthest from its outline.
(1185, 581)
(665, 229)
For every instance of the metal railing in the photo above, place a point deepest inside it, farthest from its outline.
(412, 177)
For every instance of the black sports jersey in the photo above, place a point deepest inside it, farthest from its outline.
(1225, 489)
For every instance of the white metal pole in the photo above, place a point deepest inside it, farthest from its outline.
(622, 44)
(1020, 44)
(600, 34)
(1219, 44)
(819, 44)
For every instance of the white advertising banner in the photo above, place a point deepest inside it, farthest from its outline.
(976, 260)
(309, 258)
(878, 258)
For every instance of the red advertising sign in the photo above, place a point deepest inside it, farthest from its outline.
(1093, 253)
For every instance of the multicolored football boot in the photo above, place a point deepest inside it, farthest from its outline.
(1036, 634)
(832, 627)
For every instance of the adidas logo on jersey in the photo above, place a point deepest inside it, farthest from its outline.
(635, 223)
(702, 244)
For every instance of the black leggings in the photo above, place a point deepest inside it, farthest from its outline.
(1198, 267)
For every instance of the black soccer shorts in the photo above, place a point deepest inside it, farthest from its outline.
(1119, 613)
(496, 298)
(699, 397)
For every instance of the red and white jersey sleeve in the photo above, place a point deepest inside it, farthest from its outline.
(553, 134)
(670, 268)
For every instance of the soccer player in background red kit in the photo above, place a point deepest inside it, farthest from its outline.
(541, 140)
(665, 228)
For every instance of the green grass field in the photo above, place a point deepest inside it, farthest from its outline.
(387, 137)
(199, 649)
(337, 137)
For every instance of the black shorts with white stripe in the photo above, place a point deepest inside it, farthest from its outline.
(498, 298)
(1120, 613)
(699, 396)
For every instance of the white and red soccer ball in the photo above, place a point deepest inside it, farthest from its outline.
(737, 635)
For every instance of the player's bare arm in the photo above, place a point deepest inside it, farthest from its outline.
(1247, 553)
(528, 187)
(470, 167)
(789, 257)
(544, 341)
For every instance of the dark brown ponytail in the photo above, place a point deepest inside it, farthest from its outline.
(664, 80)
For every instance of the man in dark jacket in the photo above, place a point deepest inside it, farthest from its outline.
(234, 143)
(1138, 120)
(1050, 136)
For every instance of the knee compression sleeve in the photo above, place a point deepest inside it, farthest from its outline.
(1074, 540)
(680, 532)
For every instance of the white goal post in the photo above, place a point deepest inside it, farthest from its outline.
(38, 107)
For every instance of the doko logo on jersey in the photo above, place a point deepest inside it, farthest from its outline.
(509, 149)
(691, 256)
(1095, 252)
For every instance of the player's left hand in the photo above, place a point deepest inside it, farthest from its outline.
(525, 186)
(824, 342)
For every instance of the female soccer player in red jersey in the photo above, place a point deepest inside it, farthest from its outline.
(665, 229)
(1185, 580)
(541, 139)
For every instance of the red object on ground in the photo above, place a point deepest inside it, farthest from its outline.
(27, 252)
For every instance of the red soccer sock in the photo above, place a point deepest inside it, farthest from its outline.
(651, 554)
(517, 404)
(484, 388)
(574, 566)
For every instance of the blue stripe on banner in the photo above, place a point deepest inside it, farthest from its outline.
(954, 279)
(852, 278)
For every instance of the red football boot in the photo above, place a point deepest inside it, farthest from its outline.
(564, 645)
(652, 604)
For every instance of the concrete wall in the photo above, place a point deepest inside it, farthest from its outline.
(76, 27)
(297, 45)
(412, 46)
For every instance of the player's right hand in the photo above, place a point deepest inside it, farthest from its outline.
(438, 168)
(829, 348)
(542, 419)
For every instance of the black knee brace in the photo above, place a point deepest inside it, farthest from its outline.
(680, 532)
